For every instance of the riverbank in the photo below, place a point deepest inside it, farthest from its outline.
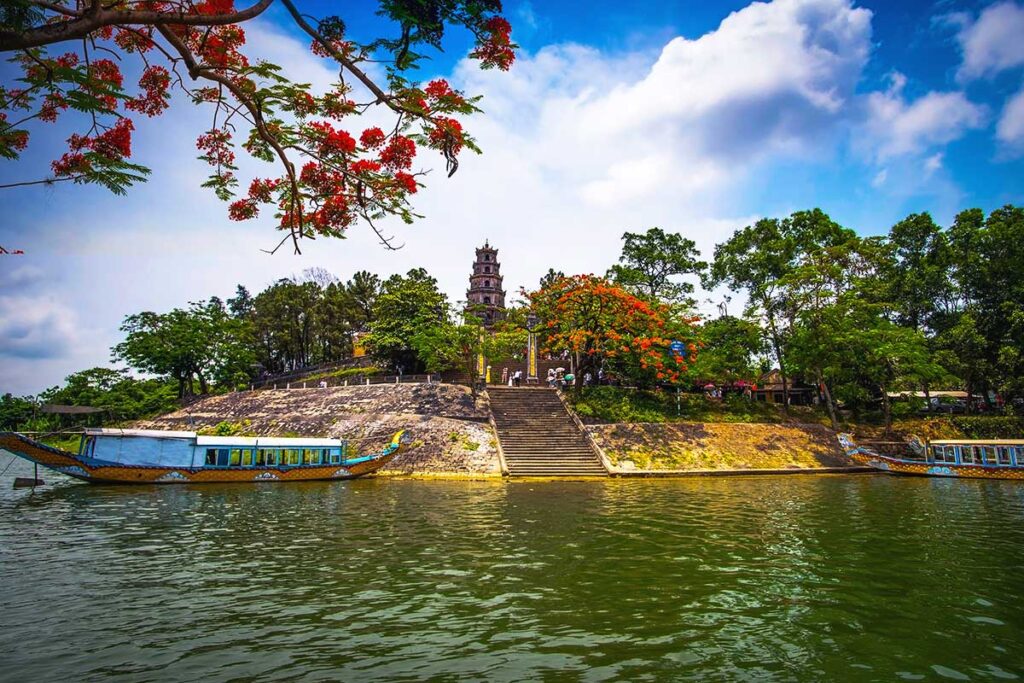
(451, 435)
(699, 447)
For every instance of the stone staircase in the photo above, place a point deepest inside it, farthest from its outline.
(538, 436)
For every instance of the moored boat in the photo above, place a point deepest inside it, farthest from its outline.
(970, 458)
(135, 456)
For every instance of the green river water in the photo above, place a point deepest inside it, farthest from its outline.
(834, 578)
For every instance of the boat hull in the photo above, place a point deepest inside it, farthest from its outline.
(104, 473)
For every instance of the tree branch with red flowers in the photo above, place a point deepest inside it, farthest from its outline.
(331, 174)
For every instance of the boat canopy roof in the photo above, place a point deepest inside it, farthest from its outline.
(978, 442)
(266, 441)
(153, 433)
(204, 440)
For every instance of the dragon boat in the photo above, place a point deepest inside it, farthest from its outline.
(136, 456)
(969, 458)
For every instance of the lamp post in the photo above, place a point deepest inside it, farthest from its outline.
(532, 321)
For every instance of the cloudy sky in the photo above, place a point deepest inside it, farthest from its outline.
(693, 116)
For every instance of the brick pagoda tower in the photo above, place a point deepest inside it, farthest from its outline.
(485, 297)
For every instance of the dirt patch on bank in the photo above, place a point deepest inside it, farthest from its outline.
(718, 446)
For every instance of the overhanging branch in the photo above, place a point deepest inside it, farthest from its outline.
(96, 17)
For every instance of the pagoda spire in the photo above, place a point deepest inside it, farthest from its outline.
(485, 296)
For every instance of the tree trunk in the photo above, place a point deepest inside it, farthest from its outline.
(970, 394)
(927, 398)
(203, 388)
(887, 406)
(828, 401)
(777, 345)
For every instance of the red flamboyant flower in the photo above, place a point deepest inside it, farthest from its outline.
(495, 48)
(446, 135)
(115, 143)
(399, 153)
(333, 141)
(71, 163)
(210, 7)
(242, 210)
(407, 181)
(53, 104)
(372, 138)
(260, 190)
(364, 166)
(440, 92)
(437, 89)
(154, 82)
(215, 147)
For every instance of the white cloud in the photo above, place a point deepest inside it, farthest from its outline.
(933, 163)
(896, 126)
(993, 42)
(880, 177)
(35, 327)
(1010, 129)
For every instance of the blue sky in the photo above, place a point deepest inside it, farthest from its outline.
(693, 116)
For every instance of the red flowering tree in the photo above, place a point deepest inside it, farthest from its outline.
(603, 325)
(73, 56)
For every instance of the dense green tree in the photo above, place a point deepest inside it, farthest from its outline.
(122, 396)
(551, 277)
(730, 348)
(15, 411)
(651, 264)
(202, 343)
(917, 271)
(284, 321)
(758, 260)
(407, 306)
(241, 304)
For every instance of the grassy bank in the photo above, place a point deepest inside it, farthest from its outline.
(598, 405)
(616, 404)
(948, 427)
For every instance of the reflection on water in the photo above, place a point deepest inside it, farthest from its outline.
(785, 578)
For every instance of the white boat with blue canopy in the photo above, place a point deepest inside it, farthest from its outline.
(138, 455)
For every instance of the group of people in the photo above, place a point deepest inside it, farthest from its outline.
(515, 379)
(559, 378)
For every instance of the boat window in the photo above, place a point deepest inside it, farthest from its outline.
(311, 456)
(236, 457)
(247, 457)
(216, 457)
(943, 454)
(967, 455)
(990, 454)
(291, 456)
(335, 458)
(1003, 455)
(267, 456)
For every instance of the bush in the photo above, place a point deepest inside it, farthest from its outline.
(615, 404)
(989, 427)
